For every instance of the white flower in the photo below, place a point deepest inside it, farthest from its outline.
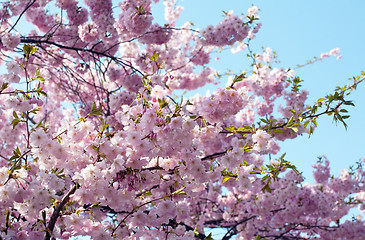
(252, 12)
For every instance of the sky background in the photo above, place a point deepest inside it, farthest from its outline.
(299, 31)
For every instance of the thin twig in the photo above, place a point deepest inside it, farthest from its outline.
(20, 16)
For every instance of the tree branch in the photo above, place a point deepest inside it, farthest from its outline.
(56, 213)
(20, 16)
(77, 49)
(215, 155)
(188, 228)
(233, 230)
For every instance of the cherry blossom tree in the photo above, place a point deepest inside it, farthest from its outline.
(94, 141)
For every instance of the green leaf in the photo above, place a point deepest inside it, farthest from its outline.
(15, 115)
(182, 193)
(162, 103)
(33, 50)
(4, 86)
(39, 78)
(43, 93)
(16, 166)
(18, 151)
(37, 72)
(266, 188)
(239, 78)
(264, 178)
(179, 191)
(294, 129)
(349, 103)
(258, 237)
(290, 122)
(93, 107)
(95, 110)
(314, 121)
(96, 148)
(34, 110)
(209, 237)
(196, 231)
(15, 122)
(155, 56)
(247, 147)
(278, 131)
(226, 178)
(148, 193)
(28, 50)
(306, 123)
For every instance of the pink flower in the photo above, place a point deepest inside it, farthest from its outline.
(158, 92)
(39, 138)
(261, 140)
(10, 41)
(11, 78)
(324, 55)
(334, 52)
(239, 48)
(252, 12)
(13, 67)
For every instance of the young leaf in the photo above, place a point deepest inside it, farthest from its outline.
(226, 178)
(95, 111)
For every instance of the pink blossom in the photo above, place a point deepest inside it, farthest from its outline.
(239, 48)
(158, 92)
(90, 125)
(261, 139)
(11, 78)
(324, 55)
(10, 41)
(252, 12)
(334, 52)
(13, 67)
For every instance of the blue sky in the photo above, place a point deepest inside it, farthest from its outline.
(299, 31)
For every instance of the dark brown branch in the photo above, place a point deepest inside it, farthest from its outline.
(215, 155)
(233, 230)
(188, 228)
(20, 16)
(77, 49)
(56, 213)
(104, 209)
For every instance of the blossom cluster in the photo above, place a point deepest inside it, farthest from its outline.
(94, 142)
(231, 30)
(220, 105)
